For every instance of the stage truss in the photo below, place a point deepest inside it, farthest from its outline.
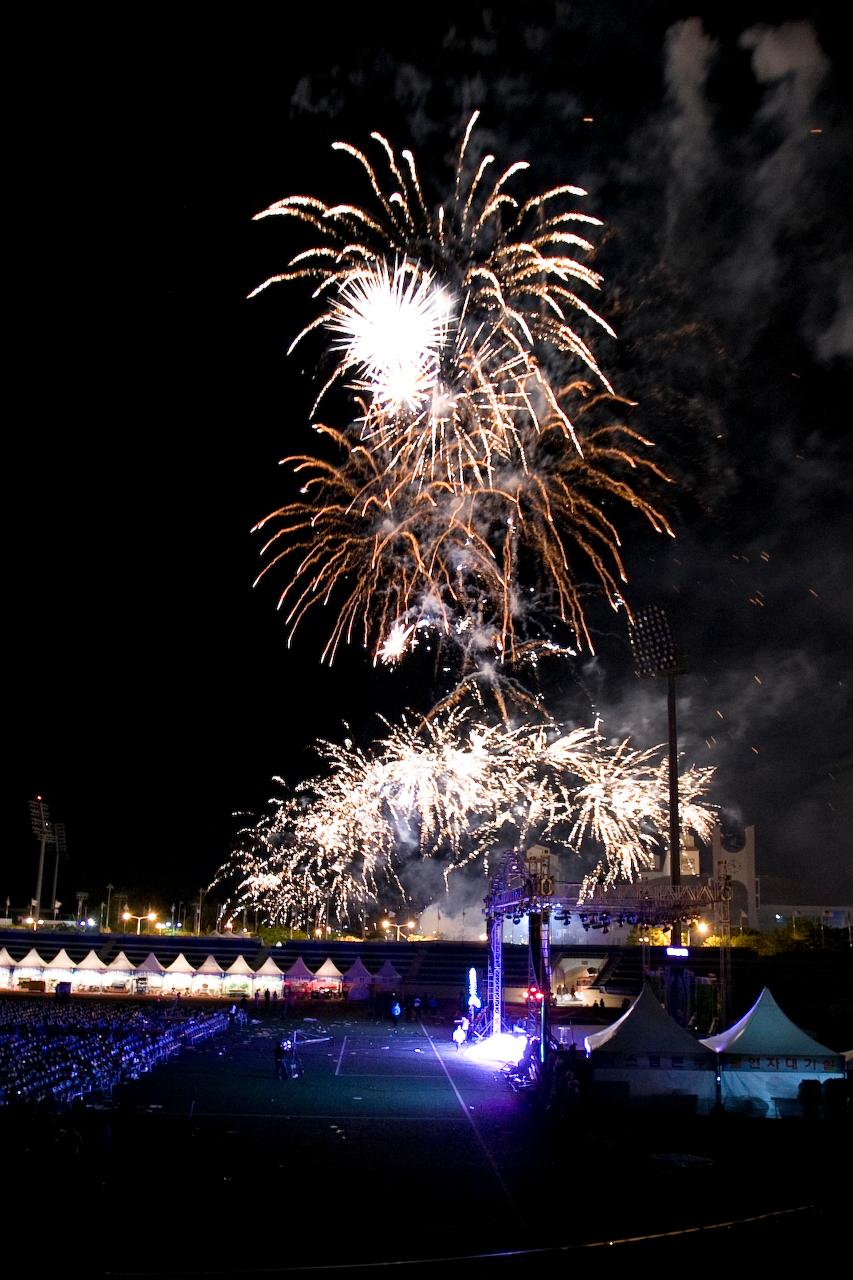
(523, 886)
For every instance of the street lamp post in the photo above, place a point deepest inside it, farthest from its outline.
(128, 915)
(388, 925)
(110, 888)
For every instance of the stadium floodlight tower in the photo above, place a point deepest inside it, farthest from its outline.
(655, 654)
(44, 832)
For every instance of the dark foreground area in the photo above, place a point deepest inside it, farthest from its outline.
(393, 1151)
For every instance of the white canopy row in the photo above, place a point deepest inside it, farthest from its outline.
(209, 978)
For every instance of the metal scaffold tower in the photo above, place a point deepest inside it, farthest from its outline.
(523, 886)
(509, 874)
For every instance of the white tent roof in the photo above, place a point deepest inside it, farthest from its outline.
(180, 965)
(388, 971)
(61, 960)
(241, 967)
(357, 972)
(269, 969)
(6, 961)
(150, 964)
(210, 965)
(299, 970)
(766, 1031)
(328, 969)
(120, 964)
(92, 962)
(645, 1028)
(32, 960)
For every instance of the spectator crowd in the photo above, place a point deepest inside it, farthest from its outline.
(52, 1054)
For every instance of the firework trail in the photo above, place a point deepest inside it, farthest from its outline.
(465, 469)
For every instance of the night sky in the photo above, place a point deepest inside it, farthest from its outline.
(151, 688)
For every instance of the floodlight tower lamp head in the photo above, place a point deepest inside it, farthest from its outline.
(652, 644)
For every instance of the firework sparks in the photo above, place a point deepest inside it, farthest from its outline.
(454, 790)
(394, 646)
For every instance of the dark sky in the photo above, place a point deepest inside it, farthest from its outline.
(152, 693)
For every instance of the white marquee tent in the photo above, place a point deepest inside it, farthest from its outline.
(151, 971)
(89, 973)
(647, 1051)
(764, 1057)
(59, 969)
(29, 966)
(269, 977)
(357, 980)
(387, 975)
(119, 972)
(178, 975)
(239, 977)
(7, 965)
(208, 978)
(329, 976)
(298, 975)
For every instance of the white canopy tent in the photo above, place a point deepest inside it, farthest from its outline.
(329, 977)
(30, 967)
(239, 977)
(149, 973)
(59, 969)
(298, 978)
(269, 977)
(764, 1057)
(89, 973)
(647, 1052)
(208, 978)
(7, 965)
(118, 973)
(387, 975)
(178, 975)
(357, 980)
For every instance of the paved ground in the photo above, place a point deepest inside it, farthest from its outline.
(392, 1147)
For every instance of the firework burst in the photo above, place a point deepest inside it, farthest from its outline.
(509, 269)
(464, 466)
